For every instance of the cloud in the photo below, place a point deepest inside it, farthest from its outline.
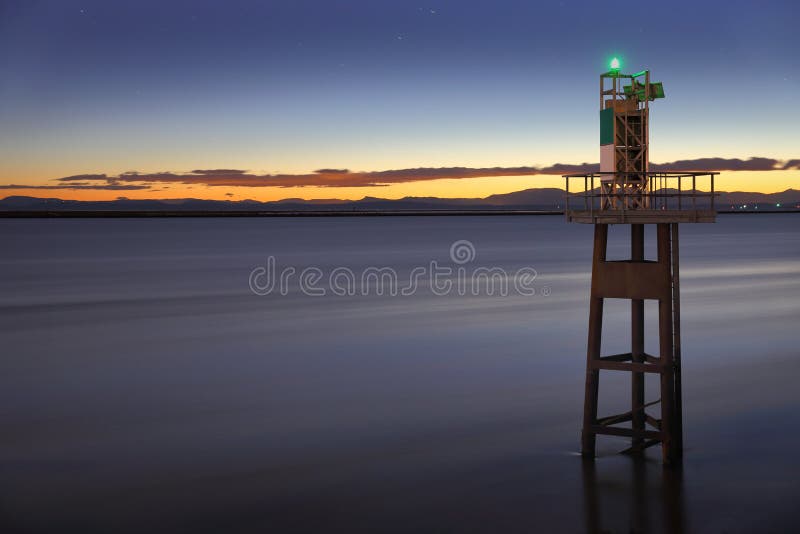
(211, 177)
(720, 164)
(792, 164)
(345, 178)
(83, 177)
(80, 185)
(227, 172)
(570, 168)
(319, 178)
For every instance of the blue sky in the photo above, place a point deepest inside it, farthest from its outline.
(289, 87)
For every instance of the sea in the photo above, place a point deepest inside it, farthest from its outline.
(381, 374)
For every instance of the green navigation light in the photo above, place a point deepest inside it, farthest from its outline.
(615, 64)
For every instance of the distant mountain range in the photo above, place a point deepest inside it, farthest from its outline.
(541, 199)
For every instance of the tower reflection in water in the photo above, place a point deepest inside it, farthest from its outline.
(645, 497)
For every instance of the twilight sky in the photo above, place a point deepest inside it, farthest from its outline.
(268, 89)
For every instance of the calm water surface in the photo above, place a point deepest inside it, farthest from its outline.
(144, 386)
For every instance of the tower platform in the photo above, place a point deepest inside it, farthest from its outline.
(641, 216)
(640, 197)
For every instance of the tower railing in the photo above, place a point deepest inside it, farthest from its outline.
(669, 193)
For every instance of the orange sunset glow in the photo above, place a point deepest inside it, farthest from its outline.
(479, 187)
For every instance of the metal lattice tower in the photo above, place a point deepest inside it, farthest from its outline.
(624, 117)
(626, 192)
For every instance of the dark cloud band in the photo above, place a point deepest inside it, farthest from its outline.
(346, 178)
(102, 187)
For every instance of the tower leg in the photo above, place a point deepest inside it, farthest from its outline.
(665, 318)
(676, 325)
(637, 344)
(588, 437)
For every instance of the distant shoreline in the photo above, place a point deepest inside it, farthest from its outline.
(108, 214)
